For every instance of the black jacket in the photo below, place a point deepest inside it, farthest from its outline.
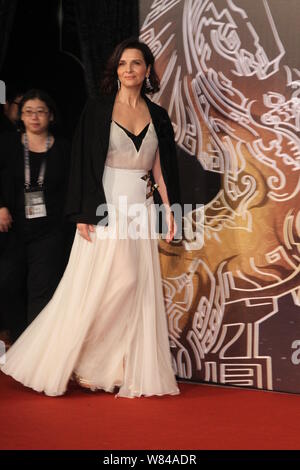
(90, 146)
(12, 173)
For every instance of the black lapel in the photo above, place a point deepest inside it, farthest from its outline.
(106, 104)
(155, 115)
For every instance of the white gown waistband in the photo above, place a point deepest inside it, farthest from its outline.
(130, 184)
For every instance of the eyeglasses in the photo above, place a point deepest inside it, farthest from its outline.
(39, 113)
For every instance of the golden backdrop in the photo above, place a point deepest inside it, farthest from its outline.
(231, 87)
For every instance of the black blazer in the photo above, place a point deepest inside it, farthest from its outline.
(12, 173)
(89, 150)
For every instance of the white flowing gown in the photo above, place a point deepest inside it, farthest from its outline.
(106, 322)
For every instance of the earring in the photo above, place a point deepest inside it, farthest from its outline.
(148, 83)
(119, 84)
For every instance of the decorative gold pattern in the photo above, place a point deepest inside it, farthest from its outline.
(233, 97)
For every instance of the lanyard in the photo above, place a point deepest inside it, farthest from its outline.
(41, 176)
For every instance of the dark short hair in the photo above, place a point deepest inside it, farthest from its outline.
(41, 95)
(109, 82)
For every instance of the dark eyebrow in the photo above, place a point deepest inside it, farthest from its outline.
(123, 60)
(30, 107)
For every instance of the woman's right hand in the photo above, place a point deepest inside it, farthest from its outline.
(84, 231)
(5, 219)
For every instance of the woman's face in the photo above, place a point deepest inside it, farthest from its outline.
(132, 68)
(36, 116)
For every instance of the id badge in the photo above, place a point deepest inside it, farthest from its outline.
(35, 204)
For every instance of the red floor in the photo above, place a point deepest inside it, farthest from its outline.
(202, 417)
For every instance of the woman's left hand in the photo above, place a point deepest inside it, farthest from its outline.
(5, 219)
(172, 227)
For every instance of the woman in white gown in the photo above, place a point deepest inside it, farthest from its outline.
(106, 324)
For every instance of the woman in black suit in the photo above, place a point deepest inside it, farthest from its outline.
(107, 318)
(32, 162)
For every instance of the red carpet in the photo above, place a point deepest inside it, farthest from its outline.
(202, 417)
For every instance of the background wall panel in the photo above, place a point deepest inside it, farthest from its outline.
(230, 81)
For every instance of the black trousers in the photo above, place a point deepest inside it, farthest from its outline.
(31, 267)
